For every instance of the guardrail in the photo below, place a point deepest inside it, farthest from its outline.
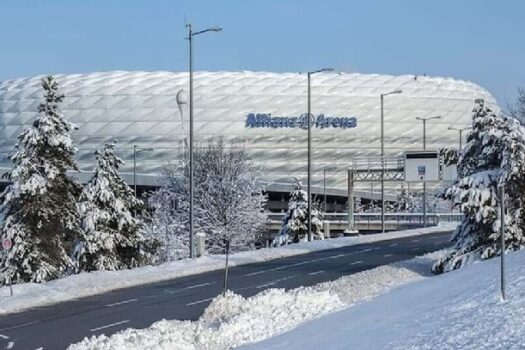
(371, 221)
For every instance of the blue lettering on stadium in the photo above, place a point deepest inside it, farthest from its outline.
(266, 120)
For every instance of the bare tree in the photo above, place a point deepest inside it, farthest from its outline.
(229, 201)
(517, 110)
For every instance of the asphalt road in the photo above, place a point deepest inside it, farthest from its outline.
(57, 326)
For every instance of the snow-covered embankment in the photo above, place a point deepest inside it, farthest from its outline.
(457, 310)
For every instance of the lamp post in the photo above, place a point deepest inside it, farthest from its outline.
(137, 150)
(424, 120)
(309, 118)
(460, 130)
(501, 189)
(383, 156)
(191, 34)
(182, 100)
(324, 190)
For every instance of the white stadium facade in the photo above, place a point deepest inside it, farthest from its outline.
(263, 112)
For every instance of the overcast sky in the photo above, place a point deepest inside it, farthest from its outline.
(480, 41)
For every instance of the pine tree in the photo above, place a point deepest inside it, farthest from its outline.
(39, 206)
(111, 238)
(450, 156)
(494, 155)
(295, 222)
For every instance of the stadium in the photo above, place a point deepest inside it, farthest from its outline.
(264, 112)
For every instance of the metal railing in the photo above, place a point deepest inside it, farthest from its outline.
(375, 164)
(375, 218)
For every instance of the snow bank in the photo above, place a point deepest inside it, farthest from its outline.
(28, 295)
(227, 322)
(232, 321)
(457, 310)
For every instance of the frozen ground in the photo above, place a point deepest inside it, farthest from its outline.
(232, 321)
(29, 295)
(458, 310)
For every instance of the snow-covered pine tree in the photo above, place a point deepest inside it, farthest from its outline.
(494, 154)
(450, 156)
(39, 206)
(111, 237)
(295, 222)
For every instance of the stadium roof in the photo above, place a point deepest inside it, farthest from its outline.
(150, 110)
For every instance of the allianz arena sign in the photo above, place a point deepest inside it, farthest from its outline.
(263, 120)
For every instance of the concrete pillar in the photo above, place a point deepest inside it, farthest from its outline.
(200, 244)
(326, 229)
(351, 222)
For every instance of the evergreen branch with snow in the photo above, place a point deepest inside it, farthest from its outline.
(39, 205)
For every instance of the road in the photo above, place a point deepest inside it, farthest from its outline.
(57, 326)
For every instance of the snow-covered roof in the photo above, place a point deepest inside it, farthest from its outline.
(148, 109)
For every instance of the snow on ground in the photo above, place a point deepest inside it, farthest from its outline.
(232, 321)
(458, 310)
(28, 295)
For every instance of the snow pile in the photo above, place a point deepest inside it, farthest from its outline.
(232, 321)
(367, 284)
(457, 310)
(228, 322)
(28, 295)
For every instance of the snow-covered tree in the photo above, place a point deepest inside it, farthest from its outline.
(229, 202)
(405, 201)
(358, 205)
(450, 156)
(165, 224)
(295, 222)
(111, 237)
(518, 110)
(494, 154)
(40, 204)
(434, 201)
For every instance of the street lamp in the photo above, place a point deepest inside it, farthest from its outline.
(191, 34)
(324, 190)
(398, 91)
(182, 99)
(460, 130)
(137, 150)
(424, 120)
(309, 118)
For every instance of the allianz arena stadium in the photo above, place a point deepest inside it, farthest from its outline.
(263, 112)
